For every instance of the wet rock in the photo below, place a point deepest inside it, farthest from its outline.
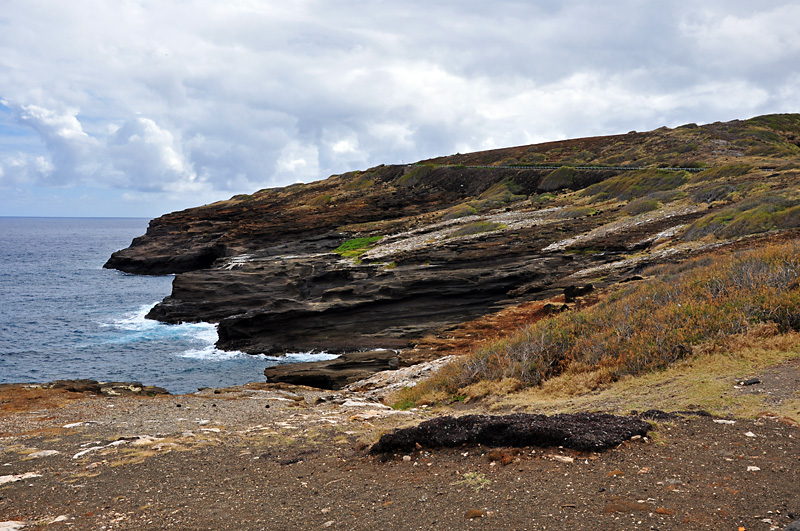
(580, 431)
(336, 373)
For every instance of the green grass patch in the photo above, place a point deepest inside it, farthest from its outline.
(361, 182)
(573, 212)
(357, 246)
(542, 198)
(497, 195)
(459, 211)
(321, 200)
(415, 175)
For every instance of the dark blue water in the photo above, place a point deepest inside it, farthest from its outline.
(63, 316)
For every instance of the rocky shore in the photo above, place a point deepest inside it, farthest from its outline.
(285, 457)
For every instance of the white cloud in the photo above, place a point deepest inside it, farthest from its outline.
(298, 161)
(225, 98)
(149, 157)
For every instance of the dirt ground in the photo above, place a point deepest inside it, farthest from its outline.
(266, 457)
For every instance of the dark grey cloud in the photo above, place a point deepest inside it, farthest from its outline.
(175, 104)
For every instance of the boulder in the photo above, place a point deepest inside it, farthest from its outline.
(334, 374)
(107, 388)
(580, 431)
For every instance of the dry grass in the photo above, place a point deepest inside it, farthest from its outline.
(676, 315)
(705, 381)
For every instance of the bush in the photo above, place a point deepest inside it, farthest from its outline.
(751, 216)
(640, 206)
(725, 171)
(563, 177)
(634, 184)
(476, 227)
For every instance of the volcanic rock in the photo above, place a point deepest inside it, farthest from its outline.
(334, 374)
(580, 431)
(107, 388)
(386, 257)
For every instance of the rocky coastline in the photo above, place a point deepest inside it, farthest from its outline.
(397, 255)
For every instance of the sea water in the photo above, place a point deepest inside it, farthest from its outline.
(63, 316)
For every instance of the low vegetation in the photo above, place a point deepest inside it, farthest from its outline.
(726, 171)
(681, 310)
(641, 205)
(563, 177)
(751, 216)
(498, 195)
(476, 227)
(631, 185)
(357, 246)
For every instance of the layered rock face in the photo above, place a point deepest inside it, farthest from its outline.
(446, 243)
(278, 286)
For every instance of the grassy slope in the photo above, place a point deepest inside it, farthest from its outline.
(695, 314)
(678, 332)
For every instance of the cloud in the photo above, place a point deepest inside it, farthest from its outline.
(71, 149)
(139, 155)
(158, 98)
(149, 157)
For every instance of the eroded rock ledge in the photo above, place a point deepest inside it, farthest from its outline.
(264, 267)
(334, 374)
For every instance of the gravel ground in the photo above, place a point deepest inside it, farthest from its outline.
(266, 457)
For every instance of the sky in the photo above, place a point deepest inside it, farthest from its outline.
(142, 107)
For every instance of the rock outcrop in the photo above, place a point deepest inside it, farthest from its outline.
(432, 245)
(334, 374)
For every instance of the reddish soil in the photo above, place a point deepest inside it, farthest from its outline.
(224, 460)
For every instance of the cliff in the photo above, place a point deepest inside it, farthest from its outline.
(387, 257)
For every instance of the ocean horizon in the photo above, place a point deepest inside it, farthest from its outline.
(65, 317)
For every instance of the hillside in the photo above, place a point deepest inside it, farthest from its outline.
(415, 257)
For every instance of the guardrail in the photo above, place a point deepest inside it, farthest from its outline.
(556, 167)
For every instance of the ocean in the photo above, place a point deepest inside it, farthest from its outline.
(62, 316)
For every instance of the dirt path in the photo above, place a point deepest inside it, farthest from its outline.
(270, 458)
